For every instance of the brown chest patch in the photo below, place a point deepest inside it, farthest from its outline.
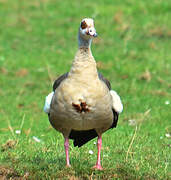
(82, 107)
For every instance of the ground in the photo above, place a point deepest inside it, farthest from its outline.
(38, 42)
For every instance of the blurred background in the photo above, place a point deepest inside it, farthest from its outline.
(38, 41)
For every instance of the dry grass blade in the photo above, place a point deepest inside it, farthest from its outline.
(22, 122)
(147, 112)
(49, 74)
(29, 130)
(9, 125)
(11, 129)
(129, 148)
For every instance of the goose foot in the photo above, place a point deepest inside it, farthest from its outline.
(97, 167)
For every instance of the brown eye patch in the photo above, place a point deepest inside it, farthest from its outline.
(83, 25)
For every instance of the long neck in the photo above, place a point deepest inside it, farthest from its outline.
(84, 63)
(83, 43)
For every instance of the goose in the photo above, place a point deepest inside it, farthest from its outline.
(82, 105)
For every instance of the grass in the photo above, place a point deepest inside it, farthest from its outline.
(38, 42)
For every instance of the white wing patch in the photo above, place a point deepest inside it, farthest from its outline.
(117, 104)
(48, 102)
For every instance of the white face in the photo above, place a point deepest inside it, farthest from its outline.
(87, 29)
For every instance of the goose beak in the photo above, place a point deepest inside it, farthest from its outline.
(95, 34)
(92, 32)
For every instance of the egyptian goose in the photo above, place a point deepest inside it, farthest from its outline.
(82, 105)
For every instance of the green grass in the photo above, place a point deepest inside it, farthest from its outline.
(38, 41)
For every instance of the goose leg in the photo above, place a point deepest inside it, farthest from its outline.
(99, 146)
(66, 146)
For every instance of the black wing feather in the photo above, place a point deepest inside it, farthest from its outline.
(59, 80)
(82, 137)
(106, 81)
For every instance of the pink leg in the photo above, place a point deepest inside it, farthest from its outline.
(99, 146)
(66, 145)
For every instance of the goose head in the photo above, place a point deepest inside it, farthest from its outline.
(87, 32)
(87, 29)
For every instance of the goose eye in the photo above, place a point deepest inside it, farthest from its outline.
(83, 25)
